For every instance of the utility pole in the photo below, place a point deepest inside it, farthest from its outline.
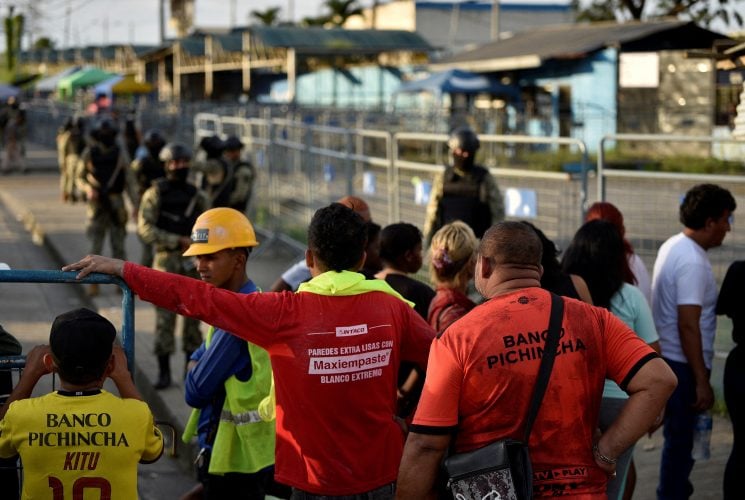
(495, 19)
(162, 19)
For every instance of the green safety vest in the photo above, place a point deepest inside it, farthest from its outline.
(244, 442)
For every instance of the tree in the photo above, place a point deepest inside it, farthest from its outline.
(701, 11)
(268, 17)
(44, 43)
(341, 10)
(314, 21)
(13, 36)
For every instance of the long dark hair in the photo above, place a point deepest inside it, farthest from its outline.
(597, 255)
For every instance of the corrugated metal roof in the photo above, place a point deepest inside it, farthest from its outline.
(529, 48)
(231, 43)
(322, 41)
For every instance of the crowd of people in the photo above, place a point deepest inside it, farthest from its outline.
(354, 377)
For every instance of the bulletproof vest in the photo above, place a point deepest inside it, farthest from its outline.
(150, 169)
(103, 165)
(175, 199)
(461, 200)
(223, 191)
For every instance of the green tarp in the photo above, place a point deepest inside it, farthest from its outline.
(86, 77)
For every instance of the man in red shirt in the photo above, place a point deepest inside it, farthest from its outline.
(483, 368)
(335, 348)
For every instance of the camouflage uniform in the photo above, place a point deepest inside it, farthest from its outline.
(70, 145)
(489, 195)
(104, 170)
(146, 169)
(164, 229)
(243, 176)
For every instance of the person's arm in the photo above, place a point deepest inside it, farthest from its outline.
(280, 286)
(147, 219)
(495, 198)
(121, 376)
(34, 370)
(648, 390)
(256, 317)
(689, 330)
(227, 355)
(130, 183)
(421, 460)
(292, 277)
(430, 219)
(582, 289)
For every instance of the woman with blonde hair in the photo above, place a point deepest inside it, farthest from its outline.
(452, 259)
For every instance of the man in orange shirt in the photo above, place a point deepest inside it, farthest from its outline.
(482, 371)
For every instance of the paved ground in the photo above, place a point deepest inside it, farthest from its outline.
(31, 210)
(33, 198)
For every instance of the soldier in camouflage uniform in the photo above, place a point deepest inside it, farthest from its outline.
(464, 191)
(240, 175)
(148, 167)
(70, 147)
(103, 176)
(168, 210)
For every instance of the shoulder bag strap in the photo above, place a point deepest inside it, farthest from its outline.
(547, 361)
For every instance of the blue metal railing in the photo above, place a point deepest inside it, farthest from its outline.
(128, 311)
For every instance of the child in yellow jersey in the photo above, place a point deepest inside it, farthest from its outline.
(79, 438)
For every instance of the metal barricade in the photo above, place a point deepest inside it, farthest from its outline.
(649, 200)
(128, 312)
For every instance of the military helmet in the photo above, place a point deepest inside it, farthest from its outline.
(232, 143)
(218, 229)
(212, 145)
(465, 139)
(153, 138)
(174, 151)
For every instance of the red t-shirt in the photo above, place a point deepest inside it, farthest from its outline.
(482, 371)
(335, 362)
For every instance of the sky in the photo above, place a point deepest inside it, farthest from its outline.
(95, 22)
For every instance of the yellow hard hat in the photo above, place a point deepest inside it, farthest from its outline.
(218, 229)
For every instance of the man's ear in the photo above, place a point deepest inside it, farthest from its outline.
(309, 259)
(49, 364)
(486, 267)
(109, 367)
(361, 262)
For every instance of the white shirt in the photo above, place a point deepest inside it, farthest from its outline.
(296, 274)
(683, 276)
(643, 282)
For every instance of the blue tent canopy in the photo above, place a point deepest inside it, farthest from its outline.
(7, 91)
(455, 81)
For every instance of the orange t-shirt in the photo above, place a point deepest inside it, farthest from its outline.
(482, 371)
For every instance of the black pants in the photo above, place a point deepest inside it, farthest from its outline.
(251, 486)
(734, 396)
(387, 492)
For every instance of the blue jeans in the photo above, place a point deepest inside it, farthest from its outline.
(680, 420)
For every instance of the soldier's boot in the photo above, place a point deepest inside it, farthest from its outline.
(93, 290)
(164, 372)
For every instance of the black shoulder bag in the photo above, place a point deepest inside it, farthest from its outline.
(503, 469)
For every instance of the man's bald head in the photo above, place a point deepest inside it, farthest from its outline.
(358, 205)
(513, 244)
